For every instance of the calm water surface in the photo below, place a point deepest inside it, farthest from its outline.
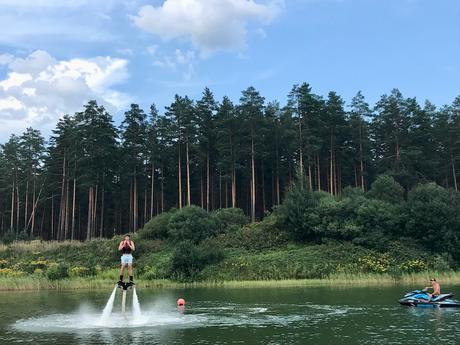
(228, 316)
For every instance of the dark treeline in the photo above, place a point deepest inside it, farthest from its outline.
(92, 179)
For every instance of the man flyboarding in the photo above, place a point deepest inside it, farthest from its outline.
(126, 247)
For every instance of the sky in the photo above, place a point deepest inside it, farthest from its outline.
(55, 55)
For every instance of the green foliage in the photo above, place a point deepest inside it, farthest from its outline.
(191, 223)
(298, 215)
(385, 188)
(157, 227)
(229, 219)
(433, 217)
(189, 259)
(256, 236)
(9, 237)
(81, 271)
(57, 271)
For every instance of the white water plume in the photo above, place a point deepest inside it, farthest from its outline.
(109, 306)
(136, 306)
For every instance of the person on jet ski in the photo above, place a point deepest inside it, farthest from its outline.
(436, 288)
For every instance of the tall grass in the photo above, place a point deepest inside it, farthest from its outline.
(41, 246)
(337, 280)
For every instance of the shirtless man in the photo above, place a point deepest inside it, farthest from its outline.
(126, 247)
(436, 288)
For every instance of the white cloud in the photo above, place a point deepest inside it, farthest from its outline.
(211, 25)
(183, 61)
(38, 89)
(5, 59)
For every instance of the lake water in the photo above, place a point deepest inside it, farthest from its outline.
(227, 316)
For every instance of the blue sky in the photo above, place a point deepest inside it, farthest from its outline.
(55, 55)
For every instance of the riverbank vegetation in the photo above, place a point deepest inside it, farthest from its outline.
(358, 237)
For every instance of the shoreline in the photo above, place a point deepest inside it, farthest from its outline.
(337, 280)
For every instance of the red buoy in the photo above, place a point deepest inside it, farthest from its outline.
(180, 302)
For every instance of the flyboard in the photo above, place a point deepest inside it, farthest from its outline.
(124, 286)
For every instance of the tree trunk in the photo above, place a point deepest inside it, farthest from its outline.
(263, 188)
(253, 182)
(32, 229)
(300, 146)
(66, 223)
(318, 166)
(26, 204)
(454, 174)
(52, 216)
(361, 159)
(331, 174)
(131, 208)
(94, 222)
(226, 192)
(220, 190)
(201, 190)
(144, 218)
(152, 188)
(162, 191)
(13, 190)
(135, 203)
(90, 203)
(188, 172)
(101, 226)
(233, 185)
(62, 202)
(17, 209)
(179, 179)
(207, 181)
(72, 232)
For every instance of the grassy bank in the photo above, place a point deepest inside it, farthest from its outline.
(338, 280)
(241, 259)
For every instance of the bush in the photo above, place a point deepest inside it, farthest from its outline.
(9, 237)
(57, 271)
(9, 272)
(379, 221)
(256, 236)
(81, 271)
(298, 215)
(229, 219)
(433, 218)
(191, 223)
(157, 227)
(385, 188)
(189, 259)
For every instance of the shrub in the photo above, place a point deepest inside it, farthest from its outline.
(191, 223)
(433, 217)
(385, 188)
(9, 237)
(80, 271)
(375, 264)
(157, 227)
(298, 215)
(256, 236)
(9, 272)
(3, 263)
(57, 271)
(229, 219)
(413, 266)
(189, 259)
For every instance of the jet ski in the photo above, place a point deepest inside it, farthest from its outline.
(421, 298)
